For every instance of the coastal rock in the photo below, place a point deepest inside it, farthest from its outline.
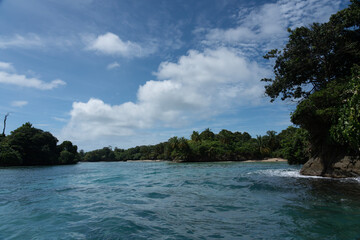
(313, 167)
(346, 166)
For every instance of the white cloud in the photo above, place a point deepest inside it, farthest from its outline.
(35, 41)
(19, 41)
(6, 66)
(23, 81)
(60, 119)
(19, 103)
(111, 44)
(113, 65)
(267, 25)
(199, 85)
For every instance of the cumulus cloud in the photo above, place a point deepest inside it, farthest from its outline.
(198, 85)
(59, 119)
(112, 65)
(6, 66)
(112, 44)
(19, 103)
(20, 41)
(24, 81)
(267, 24)
(201, 84)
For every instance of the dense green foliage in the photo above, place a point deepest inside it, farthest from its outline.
(67, 153)
(347, 129)
(319, 68)
(291, 143)
(294, 145)
(31, 146)
(317, 55)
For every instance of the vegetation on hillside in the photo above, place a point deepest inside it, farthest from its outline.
(27, 146)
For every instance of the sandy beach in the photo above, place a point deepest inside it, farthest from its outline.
(145, 160)
(264, 160)
(268, 160)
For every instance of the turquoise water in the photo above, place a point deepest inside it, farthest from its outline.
(146, 200)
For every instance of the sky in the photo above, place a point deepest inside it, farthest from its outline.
(124, 73)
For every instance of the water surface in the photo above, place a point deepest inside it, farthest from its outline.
(145, 200)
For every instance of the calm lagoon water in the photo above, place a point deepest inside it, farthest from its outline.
(160, 200)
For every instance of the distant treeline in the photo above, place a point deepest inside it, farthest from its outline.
(291, 144)
(27, 146)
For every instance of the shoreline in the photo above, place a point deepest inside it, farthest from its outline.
(145, 161)
(269, 160)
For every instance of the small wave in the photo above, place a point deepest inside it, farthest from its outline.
(293, 173)
(283, 173)
(65, 189)
(157, 195)
(356, 179)
(109, 179)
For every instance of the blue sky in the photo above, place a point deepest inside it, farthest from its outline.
(126, 73)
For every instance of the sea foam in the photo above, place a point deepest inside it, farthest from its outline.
(294, 173)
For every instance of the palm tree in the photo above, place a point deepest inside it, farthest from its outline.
(195, 136)
(273, 141)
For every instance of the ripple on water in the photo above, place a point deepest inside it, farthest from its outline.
(156, 195)
(291, 173)
(109, 179)
(175, 201)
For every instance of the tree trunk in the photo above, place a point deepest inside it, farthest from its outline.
(5, 118)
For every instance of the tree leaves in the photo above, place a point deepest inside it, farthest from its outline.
(315, 69)
(315, 56)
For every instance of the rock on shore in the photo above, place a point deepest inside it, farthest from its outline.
(346, 166)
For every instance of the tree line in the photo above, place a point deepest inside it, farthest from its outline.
(28, 146)
(291, 143)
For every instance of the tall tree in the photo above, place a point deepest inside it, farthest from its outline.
(315, 69)
(68, 153)
(273, 141)
(317, 55)
(195, 136)
(225, 136)
(35, 146)
(207, 134)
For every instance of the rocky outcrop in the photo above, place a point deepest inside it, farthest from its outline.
(313, 167)
(346, 166)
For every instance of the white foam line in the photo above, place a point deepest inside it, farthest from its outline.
(356, 179)
(296, 174)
